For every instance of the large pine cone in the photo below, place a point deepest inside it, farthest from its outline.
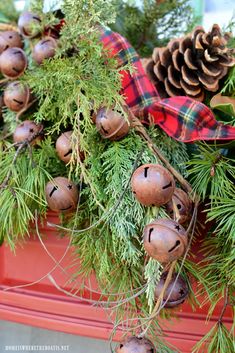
(192, 64)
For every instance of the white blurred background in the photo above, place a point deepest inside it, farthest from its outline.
(211, 11)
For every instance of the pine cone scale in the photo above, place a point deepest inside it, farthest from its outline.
(160, 71)
(209, 57)
(173, 77)
(188, 58)
(210, 69)
(189, 77)
(172, 90)
(189, 89)
(177, 59)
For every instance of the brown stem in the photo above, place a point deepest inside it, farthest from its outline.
(137, 306)
(226, 303)
(175, 210)
(8, 27)
(3, 81)
(213, 167)
(143, 133)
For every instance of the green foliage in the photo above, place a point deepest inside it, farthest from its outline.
(109, 241)
(8, 12)
(154, 24)
(229, 28)
(229, 85)
(211, 172)
(217, 270)
(25, 191)
(217, 340)
(152, 275)
(109, 166)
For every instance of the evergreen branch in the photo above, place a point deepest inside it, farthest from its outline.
(19, 150)
(109, 213)
(153, 269)
(159, 300)
(217, 340)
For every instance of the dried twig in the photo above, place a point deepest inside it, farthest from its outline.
(226, 303)
(4, 81)
(8, 27)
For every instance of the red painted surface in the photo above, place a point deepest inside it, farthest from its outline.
(43, 305)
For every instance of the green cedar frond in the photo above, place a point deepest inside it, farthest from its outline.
(152, 275)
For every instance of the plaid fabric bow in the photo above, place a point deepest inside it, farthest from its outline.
(182, 118)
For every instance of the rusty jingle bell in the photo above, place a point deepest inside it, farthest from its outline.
(135, 344)
(165, 240)
(61, 194)
(16, 96)
(63, 146)
(26, 130)
(112, 124)
(177, 291)
(183, 204)
(13, 63)
(29, 24)
(152, 185)
(10, 39)
(44, 49)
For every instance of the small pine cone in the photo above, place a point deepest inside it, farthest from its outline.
(192, 64)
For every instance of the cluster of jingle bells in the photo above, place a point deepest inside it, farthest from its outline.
(61, 193)
(17, 96)
(152, 185)
(164, 239)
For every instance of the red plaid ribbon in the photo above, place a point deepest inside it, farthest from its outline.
(182, 118)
